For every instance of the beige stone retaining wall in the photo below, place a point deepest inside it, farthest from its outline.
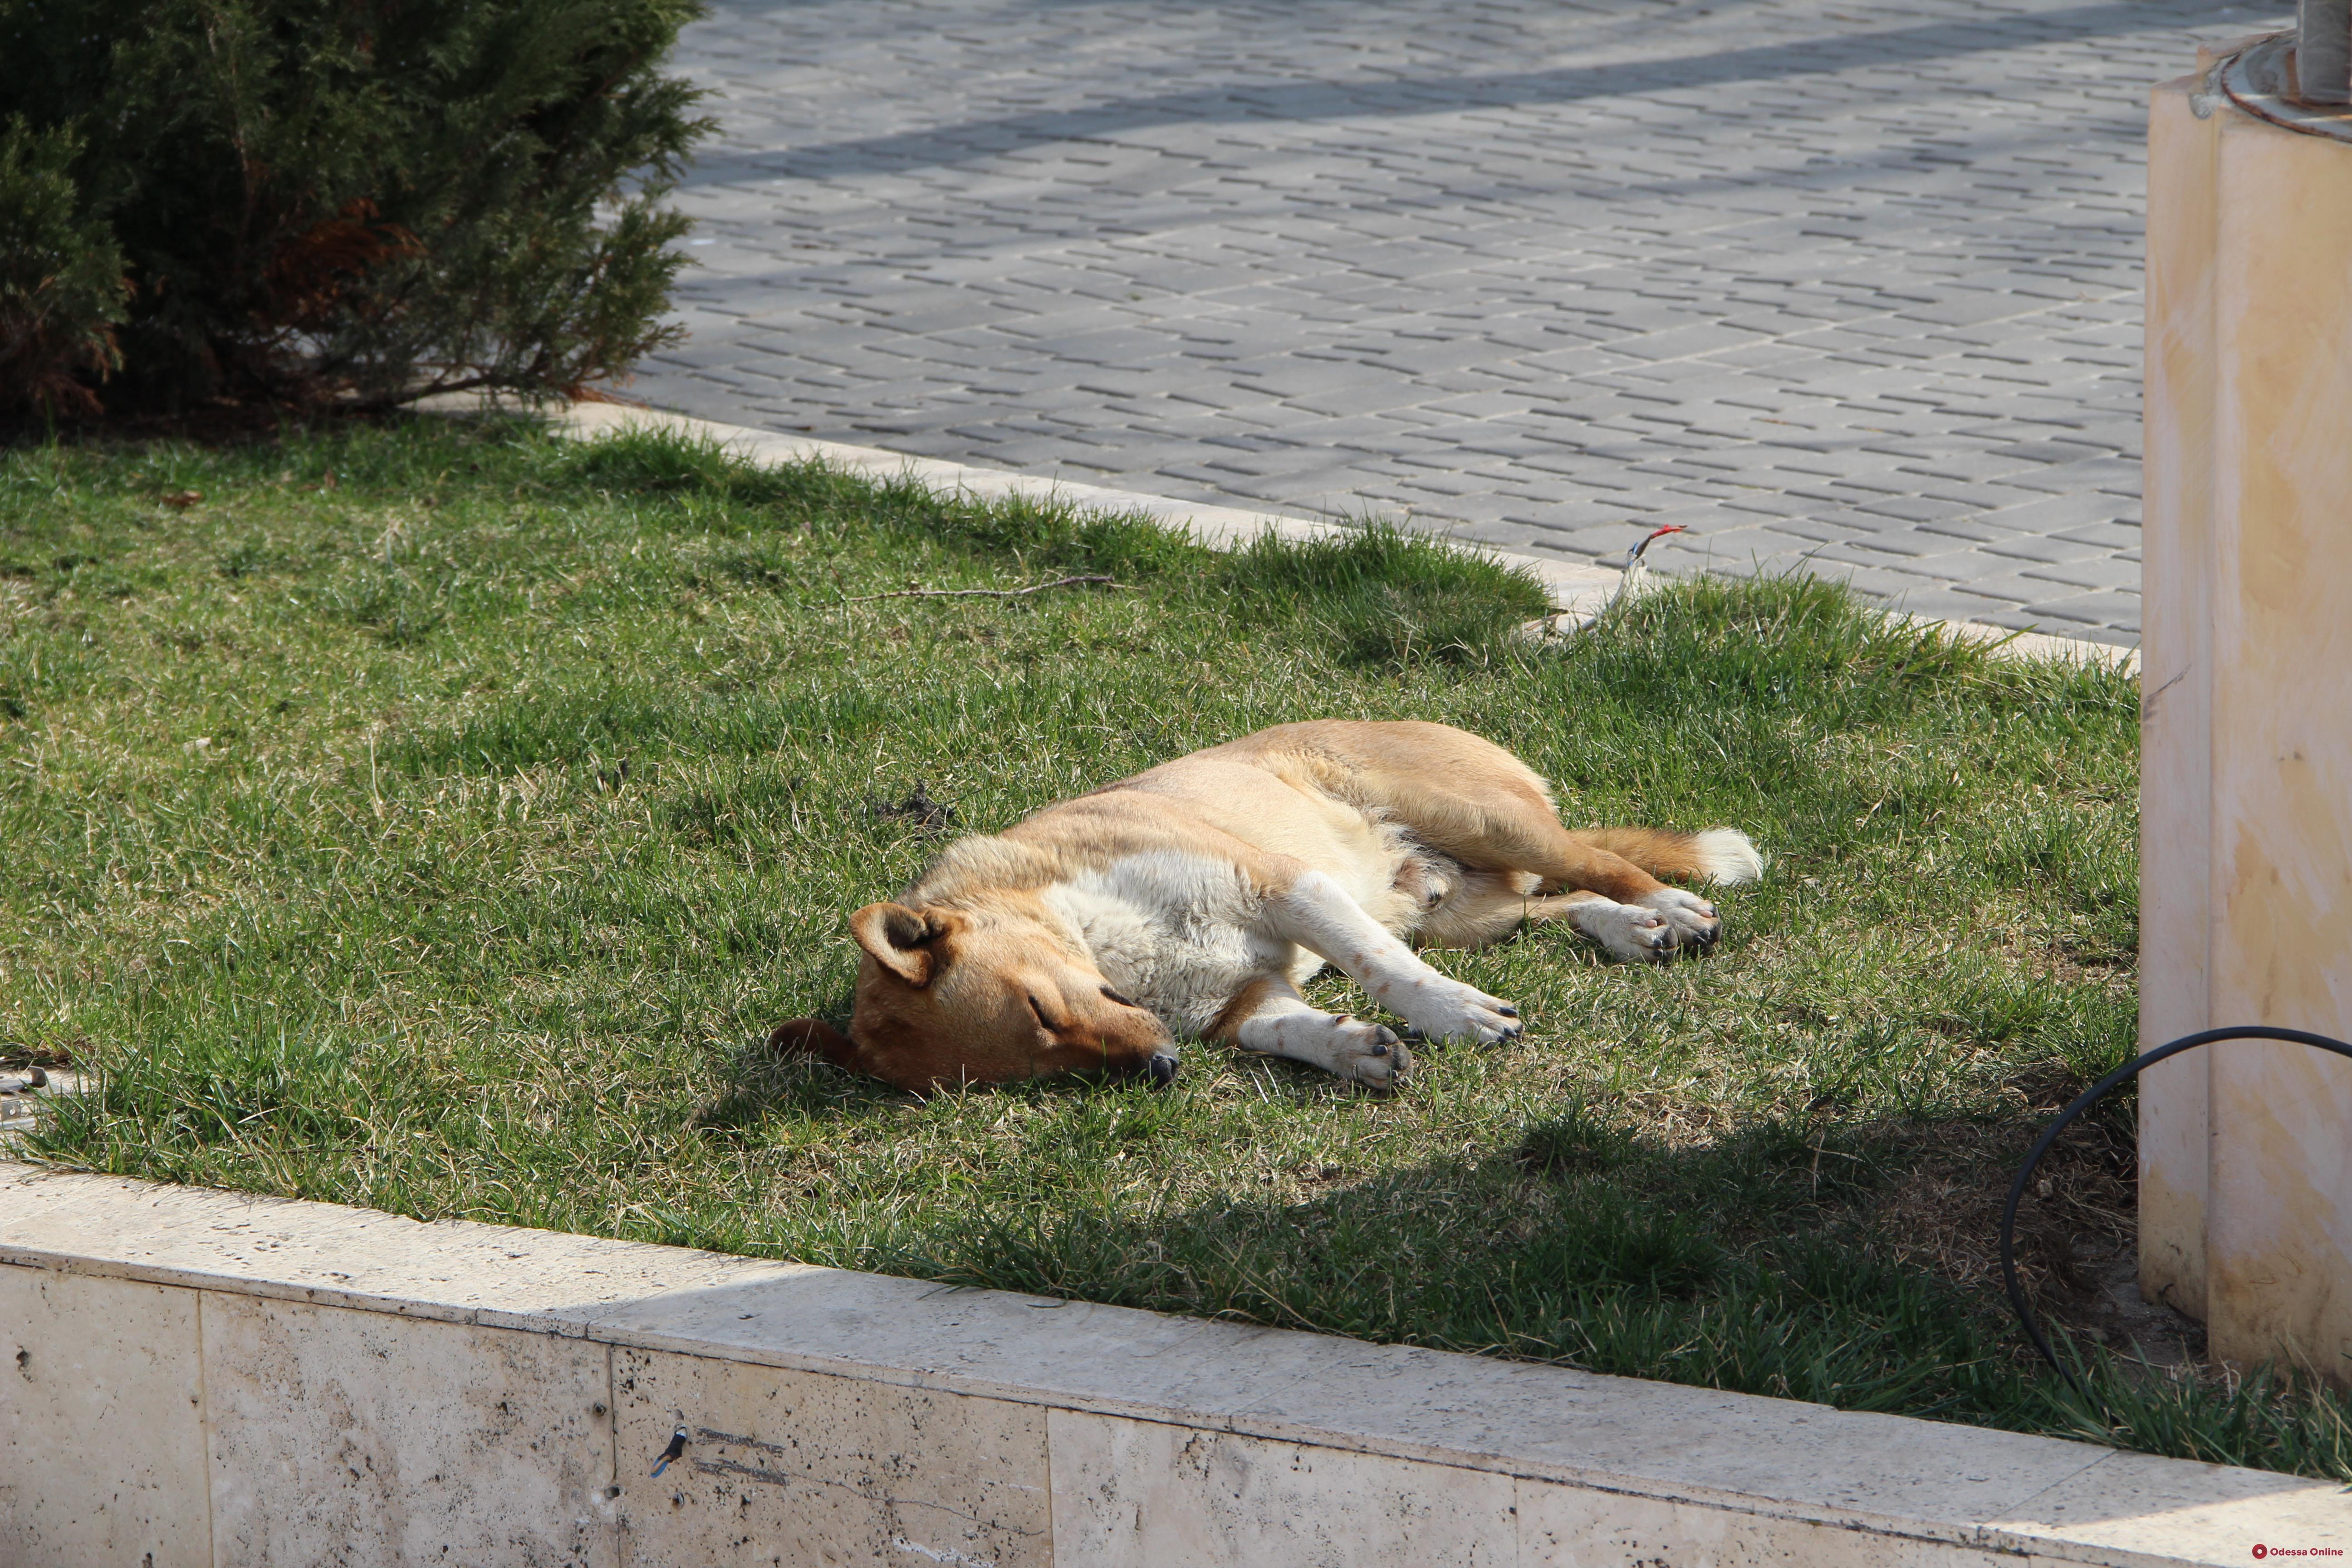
(191, 1377)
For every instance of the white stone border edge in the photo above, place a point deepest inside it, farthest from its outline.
(1623, 1471)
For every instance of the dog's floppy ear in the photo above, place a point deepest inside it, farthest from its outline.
(903, 941)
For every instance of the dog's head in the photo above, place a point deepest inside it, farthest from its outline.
(981, 995)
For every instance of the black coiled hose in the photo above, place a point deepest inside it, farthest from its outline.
(2083, 1102)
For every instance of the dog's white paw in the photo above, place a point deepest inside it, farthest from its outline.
(1446, 1009)
(1367, 1053)
(1354, 1049)
(1629, 932)
(1691, 919)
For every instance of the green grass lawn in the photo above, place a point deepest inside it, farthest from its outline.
(436, 817)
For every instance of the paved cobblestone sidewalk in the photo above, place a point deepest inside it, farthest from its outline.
(1851, 284)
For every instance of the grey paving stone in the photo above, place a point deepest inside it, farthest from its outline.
(2060, 516)
(1916, 550)
(2118, 474)
(2091, 615)
(1798, 273)
(2121, 537)
(2102, 573)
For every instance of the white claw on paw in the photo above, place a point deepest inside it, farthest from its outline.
(1691, 919)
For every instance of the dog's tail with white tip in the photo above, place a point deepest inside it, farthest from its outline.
(1718, 855)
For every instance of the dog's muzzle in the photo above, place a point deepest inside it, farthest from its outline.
(1162, 1069)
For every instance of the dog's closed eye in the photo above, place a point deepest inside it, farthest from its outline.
(1122, 1001)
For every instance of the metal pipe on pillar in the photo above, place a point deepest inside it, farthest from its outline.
(2323, 52)
(2246, 791)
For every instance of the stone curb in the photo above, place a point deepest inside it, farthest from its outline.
(323, 1381)
(1579, 592)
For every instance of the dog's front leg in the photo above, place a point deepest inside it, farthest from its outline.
(1317, 914)
(1272, 1019)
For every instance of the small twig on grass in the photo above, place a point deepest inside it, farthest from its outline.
(985, 592)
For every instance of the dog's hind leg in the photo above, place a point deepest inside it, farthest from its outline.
(1270, 1018)
(1630, 931)
(1476, 915)
(1491, 813)
(1605, 894)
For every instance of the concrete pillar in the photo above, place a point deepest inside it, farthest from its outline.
(2246, 790)
(2247, 704)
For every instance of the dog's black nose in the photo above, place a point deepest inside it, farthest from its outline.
(1162, 1069)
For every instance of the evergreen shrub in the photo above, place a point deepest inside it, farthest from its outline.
(347, 200)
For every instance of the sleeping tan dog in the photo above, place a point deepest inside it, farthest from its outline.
(1196, 899)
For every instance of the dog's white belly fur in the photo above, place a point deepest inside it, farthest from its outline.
(1178, 933)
